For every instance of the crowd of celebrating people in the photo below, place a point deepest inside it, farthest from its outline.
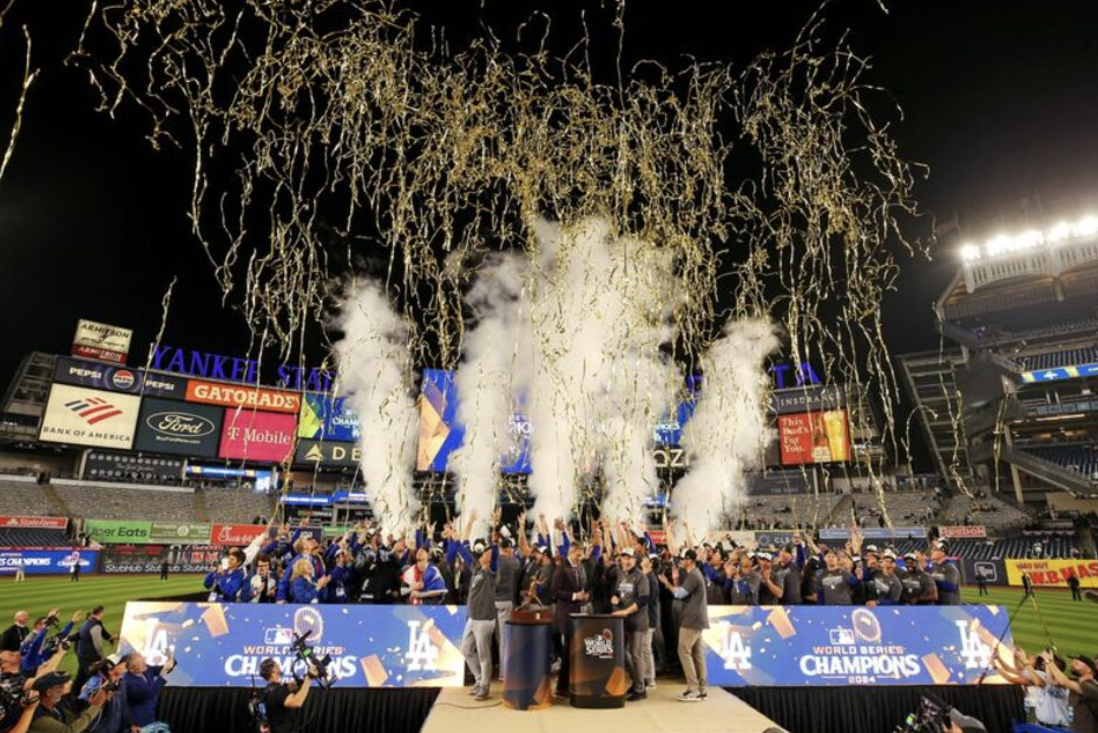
(661, 591)
(111, 693)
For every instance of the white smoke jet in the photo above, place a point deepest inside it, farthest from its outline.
(375, 371)
(485, 385)
(599, 310)
(727, 434)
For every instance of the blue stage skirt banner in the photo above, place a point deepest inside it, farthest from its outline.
(222, 644)
(761, 646)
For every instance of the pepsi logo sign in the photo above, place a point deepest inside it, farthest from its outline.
(180, 423)
(123, 379)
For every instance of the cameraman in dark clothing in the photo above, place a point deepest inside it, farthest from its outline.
(89, 646)
(279, 703)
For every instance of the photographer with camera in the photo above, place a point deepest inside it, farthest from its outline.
(142, 685)
(107, 677)
(17, 700)
(37, 649)
(54, 714)
(278, 704)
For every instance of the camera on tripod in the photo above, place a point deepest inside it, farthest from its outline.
(316, 667)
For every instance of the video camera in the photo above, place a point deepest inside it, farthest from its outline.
(14, 698)
(58, 641)
(305, 654)
(937, 716)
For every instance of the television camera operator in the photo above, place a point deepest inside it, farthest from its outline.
(278, 704)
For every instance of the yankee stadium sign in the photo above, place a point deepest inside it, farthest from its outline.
(237, 369)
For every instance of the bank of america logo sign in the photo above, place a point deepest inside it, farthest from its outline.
(93, 410)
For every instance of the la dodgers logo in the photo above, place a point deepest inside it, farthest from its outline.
(736, 655)
(976, 654)
(422, 654)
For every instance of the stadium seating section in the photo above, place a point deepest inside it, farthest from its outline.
(1061, 358)
(236, 507)
(1054, 546)
(19, 537)
(22, 499)
(905, 508)
(991, 512)
(1082, 459)
(89, 501)
(789, 511)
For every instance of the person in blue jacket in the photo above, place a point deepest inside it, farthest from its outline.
(304, 588)
(141, 685)
(308, 552)
(33, 654)
(229, 583)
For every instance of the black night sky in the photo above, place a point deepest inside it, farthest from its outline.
(1000, 100)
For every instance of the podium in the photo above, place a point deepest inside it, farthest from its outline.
(596, 675)
(528, 649)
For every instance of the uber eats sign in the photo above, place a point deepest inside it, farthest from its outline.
(108, 532)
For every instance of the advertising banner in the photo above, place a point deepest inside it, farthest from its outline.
(34, 522)
(993, 571)
(173, 533)
(123, 559)
(101, 341)
(807, 399)
(814, 437)
(779, 482)
(763, 646)
(257, 436)
(46, 561)
(776, 537)
(117, 378)
(167, 426)
(324, 454)
(235, 535)
(109, 531)
(220, 645)
(874, 533)
(79, 416)
(244, 396)
(324, 417)
(1053, 573)
(107, 466)
(962, 532)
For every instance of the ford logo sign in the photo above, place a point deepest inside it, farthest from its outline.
(180, 423)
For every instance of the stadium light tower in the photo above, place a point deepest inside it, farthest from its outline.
(1032, 252)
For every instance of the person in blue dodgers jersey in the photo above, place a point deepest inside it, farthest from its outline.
(229, 583)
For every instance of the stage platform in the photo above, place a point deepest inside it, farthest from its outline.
(455, 712)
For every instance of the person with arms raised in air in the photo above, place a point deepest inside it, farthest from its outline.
(141, 686)
(480, 624)
(1082, 691)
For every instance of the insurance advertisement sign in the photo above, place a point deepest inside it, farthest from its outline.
(168, 426)
(79, 416)
(789, 646)
(220, 645)
(266, 437)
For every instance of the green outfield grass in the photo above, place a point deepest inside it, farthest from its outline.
(39, 594)
(1073, 625)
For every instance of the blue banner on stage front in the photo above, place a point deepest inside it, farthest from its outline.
(220, 645)
(46, 560)
(760, 646)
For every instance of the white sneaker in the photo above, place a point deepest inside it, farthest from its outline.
(689, 696)
(650, 685)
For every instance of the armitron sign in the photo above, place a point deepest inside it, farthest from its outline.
(101, 341)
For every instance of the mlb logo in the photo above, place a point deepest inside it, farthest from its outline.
(842, 637)
(279, 636)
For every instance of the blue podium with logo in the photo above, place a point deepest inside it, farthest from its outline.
(596, 676)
